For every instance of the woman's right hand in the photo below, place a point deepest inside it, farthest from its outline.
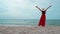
(50, 6)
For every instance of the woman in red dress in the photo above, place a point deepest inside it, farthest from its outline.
(43, 16)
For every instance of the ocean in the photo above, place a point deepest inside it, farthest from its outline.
(33, 22)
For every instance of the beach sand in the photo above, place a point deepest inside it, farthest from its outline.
(29, 30)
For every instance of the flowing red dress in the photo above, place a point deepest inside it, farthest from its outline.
(42, 19)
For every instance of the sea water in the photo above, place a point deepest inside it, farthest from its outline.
(33, 22)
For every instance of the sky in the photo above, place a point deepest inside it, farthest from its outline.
(25, 9)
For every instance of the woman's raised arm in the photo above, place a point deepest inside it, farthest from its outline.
(48, 8)
(38, 8)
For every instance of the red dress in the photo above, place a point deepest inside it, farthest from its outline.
(42, 19)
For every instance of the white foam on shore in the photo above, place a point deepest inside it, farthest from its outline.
(18, 25)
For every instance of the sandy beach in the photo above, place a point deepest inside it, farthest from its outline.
(29, 30)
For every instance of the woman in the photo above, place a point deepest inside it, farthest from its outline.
(43, 16)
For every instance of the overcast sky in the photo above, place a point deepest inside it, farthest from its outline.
(25, 9)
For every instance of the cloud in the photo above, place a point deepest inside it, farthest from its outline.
(21, 8)
(16, 8)
(25, 8)
(42, 3)
(17, 3)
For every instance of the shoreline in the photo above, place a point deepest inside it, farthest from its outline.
(29, 30)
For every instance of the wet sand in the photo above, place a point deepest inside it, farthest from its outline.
(29, 30)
